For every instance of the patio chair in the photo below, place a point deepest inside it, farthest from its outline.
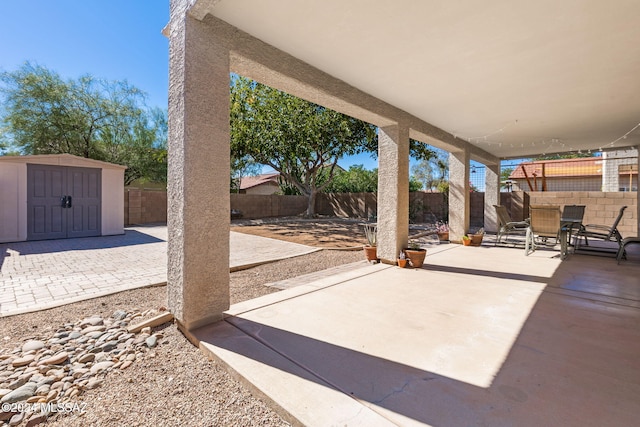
(507, 226)
(600, 232)
(572, 218)
(545, 223)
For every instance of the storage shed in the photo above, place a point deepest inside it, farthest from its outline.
(58, 196)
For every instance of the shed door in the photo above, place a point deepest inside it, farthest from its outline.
(63, 202)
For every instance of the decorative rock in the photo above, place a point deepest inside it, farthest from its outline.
(17, 383)
(75, 335)
(101, 366)
(87, 357)
(55, 359)
(126, 364)
(110, 345)
(4, 416)
(93, 329)
(131, 357)
(4, 392)
(119, 314)
(33, 399)
(102, 356)
(52, 395)
(21, 393)
(151, 341)
(94, 383)
(91, 321)
(16, 419)
(43, 390)
(32, 345)
(146, 330)
(23, 361)
(36, 419)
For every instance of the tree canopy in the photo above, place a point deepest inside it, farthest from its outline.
(360, 180)
(301, 140)
(87, 117)
(432, 171)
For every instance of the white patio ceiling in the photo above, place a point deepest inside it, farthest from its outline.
(513, 77)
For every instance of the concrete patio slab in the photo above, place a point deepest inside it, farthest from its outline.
(50, 273)
(479, 336)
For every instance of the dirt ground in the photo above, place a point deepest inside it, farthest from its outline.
(323, 233)
(340, 233)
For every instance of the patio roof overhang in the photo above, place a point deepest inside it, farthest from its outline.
(512, 78)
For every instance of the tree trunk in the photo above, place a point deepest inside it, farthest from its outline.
(311, 204)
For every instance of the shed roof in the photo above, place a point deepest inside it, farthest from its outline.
(61, 160)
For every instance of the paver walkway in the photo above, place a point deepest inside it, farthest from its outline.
(50, 273)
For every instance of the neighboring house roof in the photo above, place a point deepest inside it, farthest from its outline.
(581, 167)
(253, 181)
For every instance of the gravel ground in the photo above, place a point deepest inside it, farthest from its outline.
(174, 384)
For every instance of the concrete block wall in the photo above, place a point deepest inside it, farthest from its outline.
(601, 208)
(145, 207)
(263, 206)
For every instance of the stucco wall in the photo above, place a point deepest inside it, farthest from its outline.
(112, 201)
(13, 203)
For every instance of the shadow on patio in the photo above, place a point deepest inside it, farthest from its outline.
(480, 336)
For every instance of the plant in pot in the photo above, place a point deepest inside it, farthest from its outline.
(466, 240)
(370, 250)
(402, 260)
(415, 254)
(442, 228)
(476, 238)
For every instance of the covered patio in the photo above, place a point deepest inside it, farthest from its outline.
(468, 340)
(486, 335)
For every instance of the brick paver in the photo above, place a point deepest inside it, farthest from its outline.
(50, 273)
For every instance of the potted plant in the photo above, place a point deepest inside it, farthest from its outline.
(370, 250)
(476, 238)
(442, 228)
(466, 240)
(402, 260)
(415, 254)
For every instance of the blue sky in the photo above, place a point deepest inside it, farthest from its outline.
(109, 39)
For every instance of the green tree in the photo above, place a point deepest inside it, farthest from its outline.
(87, 117)
(505, 173)
(301, 140)
(360, 180)
(241, 167)
(355, 180)
(432, 170)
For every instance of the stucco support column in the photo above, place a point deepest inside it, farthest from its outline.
(459, 211)
(638, 192)
(198, 178)
(491, 197)
(393, 191)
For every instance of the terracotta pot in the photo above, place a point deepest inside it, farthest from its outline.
(402, 263)
(443, 236)
(476, 239)
(371, 252)
(466, 242)
(416, 257)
